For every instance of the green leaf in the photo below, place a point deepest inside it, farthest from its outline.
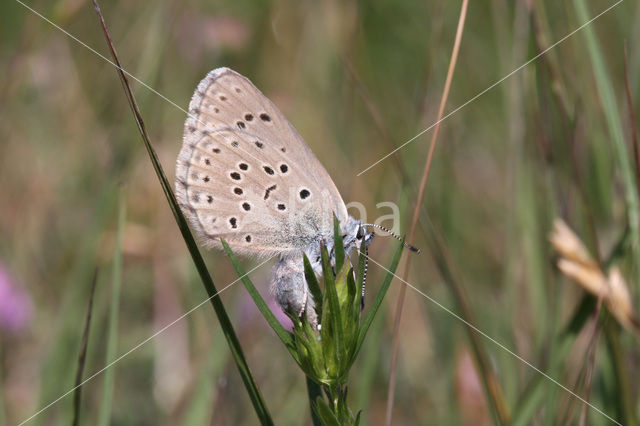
(315, 355)
(342, 288)
(378, 301)
(350, 320)
(607, 94)
(344, 414)
(196, 411)
(351, 287)
(327, 336)
(625, 389)
(331, 296)
(308, 348)
(338, 244)
(327, 417)
(280, 331)
(314, 287)
(357, 421)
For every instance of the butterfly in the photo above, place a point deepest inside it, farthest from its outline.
(244, 174)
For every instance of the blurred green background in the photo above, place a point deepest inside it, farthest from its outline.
(356, 78)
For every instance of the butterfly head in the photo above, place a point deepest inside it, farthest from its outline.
(353, 233)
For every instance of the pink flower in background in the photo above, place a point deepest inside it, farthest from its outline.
(469, 391)
(15, 304)
(284, 320)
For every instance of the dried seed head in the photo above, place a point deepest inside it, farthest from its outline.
(591, 279)
(569, 244)
(619, 299)
(576, 263)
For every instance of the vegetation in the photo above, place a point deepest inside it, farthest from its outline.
(556, 139)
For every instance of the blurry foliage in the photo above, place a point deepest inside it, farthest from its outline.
(537, 147)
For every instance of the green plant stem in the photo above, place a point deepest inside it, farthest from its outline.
(612, 334)
(614, 124)
(104, 417)
(82, 358)
(314, 391)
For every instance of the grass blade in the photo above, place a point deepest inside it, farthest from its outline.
(614, 124)
(225, 323)
(632, 122)
(280, 331)
(378, 300)
(104, 417)
(331, 295)
(314, 286)
(623, 397)
(369, 367)
(82, 357)
(351, 313)
(200, 406)
(56, 365)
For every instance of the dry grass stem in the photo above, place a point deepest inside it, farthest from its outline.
(418, 206)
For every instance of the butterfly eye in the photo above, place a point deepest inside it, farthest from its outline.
(360, 233)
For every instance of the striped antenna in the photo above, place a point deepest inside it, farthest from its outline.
(388, 231)
(364, 276)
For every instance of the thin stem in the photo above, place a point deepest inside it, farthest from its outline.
(416, 212)
(606, 95)
(625, 399)
(591, 360)
(77, 395)
(104, 417)
(314, 391)
(632, 124)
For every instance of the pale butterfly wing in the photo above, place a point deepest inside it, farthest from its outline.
(257, 205)
(245, 174)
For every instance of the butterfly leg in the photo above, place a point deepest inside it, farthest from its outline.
(291, 291)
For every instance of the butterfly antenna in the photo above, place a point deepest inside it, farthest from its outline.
(388, 231)
(364, 276)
